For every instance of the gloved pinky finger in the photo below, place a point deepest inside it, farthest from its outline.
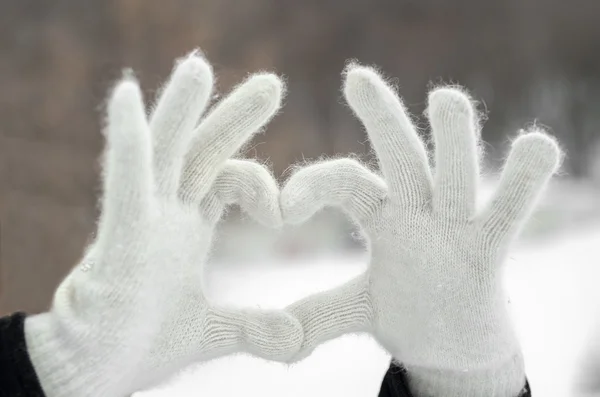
(533, 159)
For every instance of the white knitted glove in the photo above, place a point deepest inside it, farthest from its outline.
(432, 295)
(136, 300)
(586, 382)
(194, 330)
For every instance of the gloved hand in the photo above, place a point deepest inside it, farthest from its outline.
(194, 330)
(134, 308)
(432, 294)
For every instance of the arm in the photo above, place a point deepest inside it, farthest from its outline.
(395, 383)
(17, 376)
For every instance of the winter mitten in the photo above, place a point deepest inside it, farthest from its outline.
(432, 295)
(135, 301)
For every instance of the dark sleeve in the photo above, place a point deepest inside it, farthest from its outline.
(17, 376)
(395, 384)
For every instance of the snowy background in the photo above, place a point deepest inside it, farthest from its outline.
(552, 279)
(524, 61)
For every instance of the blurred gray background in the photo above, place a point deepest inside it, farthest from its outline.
(525, 61)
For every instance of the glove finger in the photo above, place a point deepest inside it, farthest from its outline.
(128, 177)
(454, 127)
(344, 183)
(400, 150)
(176, 114)
(226, 129)
(330, 314)
(248, 184)
(211, 207)
(270, 334)
(533, 159)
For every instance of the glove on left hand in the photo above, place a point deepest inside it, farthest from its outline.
(134, 310)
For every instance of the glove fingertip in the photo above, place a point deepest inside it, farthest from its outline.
(126, 95)
(268, 89)
(196, 66)
(362, 81)
(448, 101)
(539, 150)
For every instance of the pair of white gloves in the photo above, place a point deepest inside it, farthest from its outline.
(133, 311)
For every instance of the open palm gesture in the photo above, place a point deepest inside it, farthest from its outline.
(432, 294)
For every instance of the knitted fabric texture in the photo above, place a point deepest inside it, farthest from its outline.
(134, 310)
(432, 295)
(586, 382)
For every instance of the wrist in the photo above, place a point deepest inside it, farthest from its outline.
(76, 360)
(17, 374)
(55, 365)
(504, 379)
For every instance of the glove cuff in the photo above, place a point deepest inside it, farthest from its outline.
(504, 380)
(54, 358)
(73, 360)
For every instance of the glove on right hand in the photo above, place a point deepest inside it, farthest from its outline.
(194, 329)
(432, 295)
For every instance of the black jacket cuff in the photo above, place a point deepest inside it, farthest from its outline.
(395, 384)
(17, 376)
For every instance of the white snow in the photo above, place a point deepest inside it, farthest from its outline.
(553, 294)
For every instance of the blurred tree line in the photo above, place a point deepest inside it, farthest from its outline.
(526, 61)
